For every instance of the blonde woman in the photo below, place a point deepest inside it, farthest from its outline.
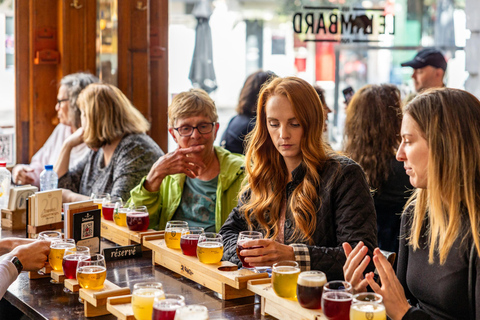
(440, 226)
(304, 199)
(121, 153)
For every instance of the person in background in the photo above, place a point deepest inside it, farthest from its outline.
(198, 182)
(304, 198)
(321, 94)
(373, 121)
(69, 117)
(233, 139)
(20, 255)
(438, 268)
(429, 67)
(120, 151)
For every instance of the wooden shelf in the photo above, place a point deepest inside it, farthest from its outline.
(122, 235)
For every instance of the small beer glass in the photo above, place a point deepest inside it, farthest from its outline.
(336, 300)
(98, 198)
(243, 237)
(91, 274)
(173, 233)
(108, 206)
(210, 248)
(138, 218)
(165, 308)
(48, 236)
(142, 299)
(120, 215)
(70, 262)
(190, 312)
(284, 278)
(367, 306)
(189, 240)
(57, 250)
(310, 289)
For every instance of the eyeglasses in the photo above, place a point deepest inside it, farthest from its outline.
(203, 128)
(62, 100)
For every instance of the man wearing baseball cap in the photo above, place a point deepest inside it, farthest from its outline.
(429, 67)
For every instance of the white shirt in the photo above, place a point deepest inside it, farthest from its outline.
(50, 151)
(8, 274)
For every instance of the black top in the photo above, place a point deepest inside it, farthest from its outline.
(345, 214)
(389, 202)
(234, 136)
(436, 291)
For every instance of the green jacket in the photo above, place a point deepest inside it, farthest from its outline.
(163, 203)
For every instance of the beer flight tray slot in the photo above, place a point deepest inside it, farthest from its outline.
(224, 277)
(122, 235)
(121, 307)
(95, 301)
(278, 307)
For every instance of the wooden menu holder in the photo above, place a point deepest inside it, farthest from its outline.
(223, 277)
(281, 308)
(72, 285)
(33, 231)
(123, 236)
(95, 301)
(121, 307)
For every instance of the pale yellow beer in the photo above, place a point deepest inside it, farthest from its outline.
(57, 250)
(367, 311)
(172, 238)
(91, 277)
(284, 279)
(142, 299)
(210, 252)
(190, 312)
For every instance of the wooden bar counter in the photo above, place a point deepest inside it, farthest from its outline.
(39, 299)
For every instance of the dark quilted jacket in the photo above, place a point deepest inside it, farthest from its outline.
(346, 214)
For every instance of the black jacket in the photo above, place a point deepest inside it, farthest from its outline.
(234, 136)
(345, 214)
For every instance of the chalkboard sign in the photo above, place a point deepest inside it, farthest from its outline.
(124, 252)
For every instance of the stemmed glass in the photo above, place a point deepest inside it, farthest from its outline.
(70, 261)
(189, 240)
(57, 251)
(48, 236)
(210, 248)
(164, 308)
(142, 299)
(138, 219)
(367, 305)
(337, 299)
(108, 206)
(243, 237)
(173, 233)
(193, 311)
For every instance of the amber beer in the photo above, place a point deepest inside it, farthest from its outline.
(57, 250)
(284, 278)
(91, 277)
(173, 233)
(310, 288)
(210, 248)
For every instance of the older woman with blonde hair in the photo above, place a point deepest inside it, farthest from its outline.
(121, 153)
(438, 269)
(305, 199)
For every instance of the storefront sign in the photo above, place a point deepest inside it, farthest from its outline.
(343, 24)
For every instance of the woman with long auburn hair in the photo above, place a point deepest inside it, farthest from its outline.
(438, 268)
(372, 126)
(303, 198)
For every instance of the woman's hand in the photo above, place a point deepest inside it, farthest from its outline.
(393, 294)
(182, 160)
(267, 252)
(23, 174)
(75, 138)
(357, 262)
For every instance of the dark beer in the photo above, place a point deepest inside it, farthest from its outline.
(242, 258)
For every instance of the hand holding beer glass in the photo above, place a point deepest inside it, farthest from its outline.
(173, 233)
(91, 274)
(210, 248)
(48, 236)
(57, 250)
(284, 278)
(243, 237)
(336, 300)
(142, 299)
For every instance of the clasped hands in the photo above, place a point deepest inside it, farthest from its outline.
(391, 290)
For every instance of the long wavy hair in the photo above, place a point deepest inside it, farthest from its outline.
(449, 120)
(267, 174)
(372, 127)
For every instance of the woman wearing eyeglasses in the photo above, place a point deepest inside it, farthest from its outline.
(198, 182)
(120, 151)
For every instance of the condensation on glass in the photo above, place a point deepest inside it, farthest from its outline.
(107, 41)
